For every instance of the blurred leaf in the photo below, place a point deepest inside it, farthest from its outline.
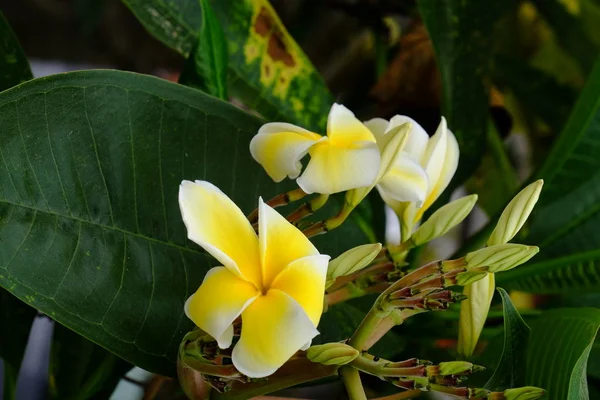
(81, 370)
(495, 167)
(16, 318)
(560, 344)
(539, 92)
(14, 67)
(91, 230)
(462, 35)
(568, 213)
(270, 72)
(574, 273)
(206, 67)
(569, 33)
(510, 372)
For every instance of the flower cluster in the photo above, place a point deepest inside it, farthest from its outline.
(264, 303)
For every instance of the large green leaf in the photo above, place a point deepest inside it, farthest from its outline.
(511, 369)
(270, 72)
(81, 370)
(568, 212)
(206, 67)
(91, 233)
(574, 273)
(561, 341)
(462, 35)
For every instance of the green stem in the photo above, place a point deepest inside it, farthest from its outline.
(383, 368)
(368, 326)
(279, 200)
(351, 379)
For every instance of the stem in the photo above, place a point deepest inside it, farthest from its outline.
(308, 208)
(350, 292)
(329, 224)
(383, 368)
(367, 327)
(279, 200)
(372, 270)
(352, 382)
(411, 394)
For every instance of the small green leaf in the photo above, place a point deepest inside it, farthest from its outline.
(81, 370)
(574, 273)
(206, 67)
(561, 340)
(510, 371)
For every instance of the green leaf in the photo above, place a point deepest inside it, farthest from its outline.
(510, 371)
(462, 36)
(574, 273)
(81, 370)
(270, 72)
(561, 341)
(14, 67)
(91, 232)
(569, 208)
(206, 67)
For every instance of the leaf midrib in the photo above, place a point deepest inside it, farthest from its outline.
(103, 226)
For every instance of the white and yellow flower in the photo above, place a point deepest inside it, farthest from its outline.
(421, 172)
(347, 158)
(275, 280)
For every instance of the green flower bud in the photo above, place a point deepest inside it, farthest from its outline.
(473, 313)
(353, 260)
(515, 214)
(524, 393)
(332, 354)
(501, 257)
(465, 278)
(444, 219)
(454, 367)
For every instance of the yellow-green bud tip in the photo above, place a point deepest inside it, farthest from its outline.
(332, 354)
(455, 367)
(524, 393)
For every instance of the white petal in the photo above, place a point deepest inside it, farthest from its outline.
(378, 127)
(406, 181)
(333, 169)
(417, 139)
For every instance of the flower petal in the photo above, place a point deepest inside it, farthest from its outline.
(417, 138)
(378, 127)
(405, 181)
(344, 129)
(333, 169)
(280, 243)
(304, 281)
(440, 162)
(279, 147)
(274, 327)
(219, 226)
(218, 302)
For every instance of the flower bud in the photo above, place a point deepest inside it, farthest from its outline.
(473, 313)
(353, 260)
(466, 278)
(515, 214)
(524, 393)
(501, 257)
(332, 354)
(456, 367)
(444, 219)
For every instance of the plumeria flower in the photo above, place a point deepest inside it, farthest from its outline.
(347, 158)
(275, 281)
(423, 169)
